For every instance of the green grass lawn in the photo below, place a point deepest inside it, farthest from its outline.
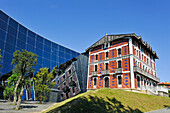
(109, 101)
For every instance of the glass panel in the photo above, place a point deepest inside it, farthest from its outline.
(38, 52)
(39, 38)
(47, 42)
(31, 41)
(21, 44)
(46, 63)
(22, 29)
(39, 45)
(12, 31)
(22, 36)
(2, 45)
(39, 60)
(31, 34)
(11, 39)
(3, 25)
(6, 68)
(47, 48)
(54, 57)
(61, 54)
(7, 57)
(9, 48)
(46, 55)
(30, 48)
(3, 16)
(61, 48)
(54, 45)
(2, 35)
(13, 23)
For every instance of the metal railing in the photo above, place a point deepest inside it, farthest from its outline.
(118, 70)
(141, 71)
(105, 72)
(94, 73)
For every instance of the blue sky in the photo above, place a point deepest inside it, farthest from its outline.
(77, 24)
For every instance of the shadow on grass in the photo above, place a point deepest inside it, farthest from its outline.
(25, 106)
(94, 104)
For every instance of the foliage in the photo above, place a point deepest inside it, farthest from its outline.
(24, 63)
(43, 83)
(10, 87)
(109, 101)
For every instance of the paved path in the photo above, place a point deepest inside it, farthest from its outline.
(26, 107)
(166, 110)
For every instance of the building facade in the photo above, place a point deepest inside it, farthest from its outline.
(14, 36)
(67, 80)
(121, 61)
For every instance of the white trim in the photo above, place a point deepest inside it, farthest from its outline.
(88, 70)
(131, 64)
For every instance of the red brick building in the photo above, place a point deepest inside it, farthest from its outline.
(121, 61)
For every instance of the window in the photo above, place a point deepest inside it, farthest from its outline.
(69, 71)
(119, 51)
(137, 53)
(143, 67)
(63, 76)
(106, 66)
(96, 57)
(119, 64)
(136, 63)
(142, 56)
(106, 54)
(95, 67)
(70, 78)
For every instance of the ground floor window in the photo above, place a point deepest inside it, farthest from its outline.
(138, 81)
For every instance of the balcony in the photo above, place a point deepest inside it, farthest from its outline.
(105, 72)
(141, 71)
(118, 70)
(94, 73)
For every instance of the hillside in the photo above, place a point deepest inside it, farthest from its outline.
(109, 101)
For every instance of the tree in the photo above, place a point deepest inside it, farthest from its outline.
(24, 63)
(10, 88)
(43, 83)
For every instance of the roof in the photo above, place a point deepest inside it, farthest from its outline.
(164, 83)
(108, 38)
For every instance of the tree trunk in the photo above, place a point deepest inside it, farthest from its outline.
(15, 90)
(9, 98)
(20, 98)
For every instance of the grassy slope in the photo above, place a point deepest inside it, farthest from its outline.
(110, 100)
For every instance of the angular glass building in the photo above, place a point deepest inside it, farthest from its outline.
(14, 36)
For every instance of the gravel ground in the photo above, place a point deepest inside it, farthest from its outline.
(26, 107)
(166, 110)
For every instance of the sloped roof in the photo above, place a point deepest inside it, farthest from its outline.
(108, 38)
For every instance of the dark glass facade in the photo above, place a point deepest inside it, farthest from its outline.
(14, 36)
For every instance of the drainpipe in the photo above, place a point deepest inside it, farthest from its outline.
(131, 64)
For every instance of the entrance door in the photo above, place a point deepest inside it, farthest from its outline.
(106, 82)
(138, 81)
(119, 81)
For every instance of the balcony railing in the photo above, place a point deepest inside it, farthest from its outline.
(141, 71)
(118, 70)
(105, 72)
(94, 73)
